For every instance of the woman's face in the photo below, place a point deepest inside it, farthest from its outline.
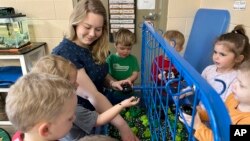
(90, 29)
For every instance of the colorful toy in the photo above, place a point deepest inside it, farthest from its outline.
(4, 135)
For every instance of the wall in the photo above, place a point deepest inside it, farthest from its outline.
(181, 15)
(237, 17)
(47, 19)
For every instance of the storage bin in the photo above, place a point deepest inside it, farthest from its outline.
(9, 75)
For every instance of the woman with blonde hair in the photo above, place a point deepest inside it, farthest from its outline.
(86, 46)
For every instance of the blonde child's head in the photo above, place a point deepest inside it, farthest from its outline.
(175, 38)
(56, 65)
(124, 37)
(97, 138)
(241, 87)
(42, 104)
(124, 40)
(245, 67)
(235, 42)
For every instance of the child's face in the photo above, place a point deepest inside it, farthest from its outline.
(176, 46)
(63, 123)
(123, 51)
(72, 77)
(241, 87)
(223, 58)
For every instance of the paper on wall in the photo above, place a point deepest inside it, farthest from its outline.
(145, 4)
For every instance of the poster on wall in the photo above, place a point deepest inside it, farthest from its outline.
(121, 15)
(146, 4)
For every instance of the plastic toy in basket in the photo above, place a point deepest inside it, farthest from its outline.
(127, 89)
(4, 135)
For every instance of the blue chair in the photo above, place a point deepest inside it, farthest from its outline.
(207, 26)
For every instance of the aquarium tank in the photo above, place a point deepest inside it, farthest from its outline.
(14, 31)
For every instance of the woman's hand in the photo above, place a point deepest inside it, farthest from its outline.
(130, 102)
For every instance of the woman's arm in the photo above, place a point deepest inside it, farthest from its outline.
(108, 115)
(87, 90)
(124, 129)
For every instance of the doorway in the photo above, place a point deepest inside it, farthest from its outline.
(159, 22)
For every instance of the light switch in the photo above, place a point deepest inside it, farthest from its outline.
(239, 5)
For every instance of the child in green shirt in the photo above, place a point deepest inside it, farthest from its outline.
(122, 65)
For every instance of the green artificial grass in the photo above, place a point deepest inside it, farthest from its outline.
(139, 123)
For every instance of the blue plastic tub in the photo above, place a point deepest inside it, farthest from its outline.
(9, 75)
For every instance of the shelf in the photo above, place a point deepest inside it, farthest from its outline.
(26, 56)
(5, 123)
(4, 90)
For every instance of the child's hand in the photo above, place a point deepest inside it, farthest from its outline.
(117, 85)
(188, 93)
(162, 75)
(130, 102)
(188, 119)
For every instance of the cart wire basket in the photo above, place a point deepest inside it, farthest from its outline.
(162, 99)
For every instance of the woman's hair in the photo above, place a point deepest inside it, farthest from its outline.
(99, 48)
(55, 65)
(237, 42)
(124, 37)
(175, 35)
(37, 97)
